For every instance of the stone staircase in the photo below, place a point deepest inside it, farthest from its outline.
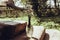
(17, 32)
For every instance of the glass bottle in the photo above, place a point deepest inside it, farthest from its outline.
(29, 28)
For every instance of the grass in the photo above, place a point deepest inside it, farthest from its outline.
(49, 23)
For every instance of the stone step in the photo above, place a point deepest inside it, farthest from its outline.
(38, 32)
(52, 34)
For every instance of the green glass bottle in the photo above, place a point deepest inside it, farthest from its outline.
(29, 28)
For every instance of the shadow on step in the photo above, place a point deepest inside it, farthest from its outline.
(46, 37)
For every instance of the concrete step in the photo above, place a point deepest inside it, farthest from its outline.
(52, 34)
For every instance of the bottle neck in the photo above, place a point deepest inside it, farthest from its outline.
(29, 21)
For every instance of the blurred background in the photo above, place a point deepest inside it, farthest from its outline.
(45, 12)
